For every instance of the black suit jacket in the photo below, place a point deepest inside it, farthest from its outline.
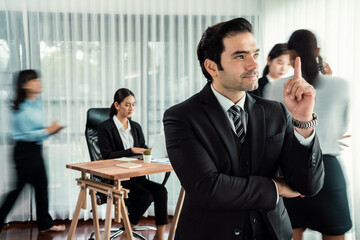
(203, 152)
(110, 143)
(260, 90)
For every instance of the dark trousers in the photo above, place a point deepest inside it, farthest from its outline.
(30, 169)
(142, 193)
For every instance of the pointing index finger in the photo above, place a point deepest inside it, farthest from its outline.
(297, 68)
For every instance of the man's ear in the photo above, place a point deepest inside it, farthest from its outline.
(318, 52)
(211, 67)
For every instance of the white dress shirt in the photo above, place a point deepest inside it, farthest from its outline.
(270, 79)
(125, 134)
(226, 103)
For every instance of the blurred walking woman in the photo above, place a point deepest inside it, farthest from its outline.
(328, 211)
(28, 133)
(121, 137)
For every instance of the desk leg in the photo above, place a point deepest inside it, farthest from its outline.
(125, 218)
(95, 215)
(75, 219)
(83, 176)
(176, 214)
(108, 219)
(117, 218)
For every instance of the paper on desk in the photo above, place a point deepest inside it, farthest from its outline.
(161, 160)
(128, 165)
(126, 159)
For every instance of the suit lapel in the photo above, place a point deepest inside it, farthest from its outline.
(220, 121)
(117, 138)
(256, 129)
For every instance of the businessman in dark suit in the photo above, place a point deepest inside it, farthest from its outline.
(228, 147)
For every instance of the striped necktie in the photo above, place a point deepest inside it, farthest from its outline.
(235, 112)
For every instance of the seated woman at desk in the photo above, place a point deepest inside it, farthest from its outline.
(121, 137)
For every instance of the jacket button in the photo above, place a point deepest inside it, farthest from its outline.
(254, 220)
(237, 231)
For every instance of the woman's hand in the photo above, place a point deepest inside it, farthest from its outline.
(54, 128)
(326, 69)
(137, 150)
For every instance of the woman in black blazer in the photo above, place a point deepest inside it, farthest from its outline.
(278, 64)
(121, 137)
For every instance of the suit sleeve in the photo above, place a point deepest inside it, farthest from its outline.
(302, 166)
(108, 146)
(205, 185)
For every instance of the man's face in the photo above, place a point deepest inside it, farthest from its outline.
(239, 63)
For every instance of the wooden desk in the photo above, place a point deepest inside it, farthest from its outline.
(108, 169)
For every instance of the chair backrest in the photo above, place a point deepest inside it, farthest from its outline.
(95, 116)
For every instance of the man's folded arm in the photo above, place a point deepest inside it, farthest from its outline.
(200, 177)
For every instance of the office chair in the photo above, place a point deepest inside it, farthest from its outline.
(95, 116)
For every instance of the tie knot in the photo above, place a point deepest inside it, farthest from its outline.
(235, 110)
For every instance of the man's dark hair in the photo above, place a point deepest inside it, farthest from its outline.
(211, 43)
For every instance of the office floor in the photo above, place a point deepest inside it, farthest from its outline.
(29, 231)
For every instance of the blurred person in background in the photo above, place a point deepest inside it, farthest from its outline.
(278, 64)
(328, 211)
(28, 134)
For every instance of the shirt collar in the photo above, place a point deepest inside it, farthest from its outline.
(31, 101)
(119, 125)
(270, 78)
(226, 103)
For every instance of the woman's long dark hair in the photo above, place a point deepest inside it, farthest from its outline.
(22, 78)
(119, 96)
(278, 50)
(305, 44)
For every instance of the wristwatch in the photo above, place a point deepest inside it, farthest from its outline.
(306, 125)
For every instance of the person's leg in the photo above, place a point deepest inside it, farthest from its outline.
(22, 177)
(159, 194)
(338, 237)
(40, 183)
(160, 232)
(9, 202)
(298, 233)
(138, 202)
